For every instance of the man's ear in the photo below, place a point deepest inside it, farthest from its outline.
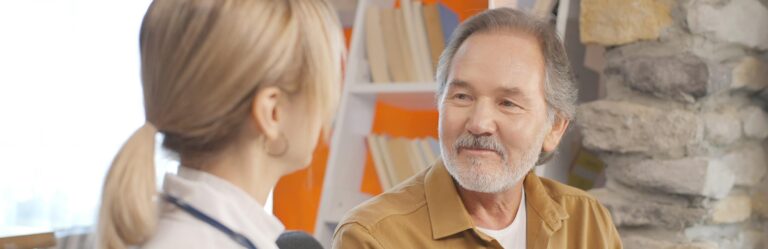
(552, 139)
(265, 113)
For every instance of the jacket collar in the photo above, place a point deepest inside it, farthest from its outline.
(447, 213)
(545, 215)
(448, 216)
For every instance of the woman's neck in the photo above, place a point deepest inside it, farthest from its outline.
(247, 168)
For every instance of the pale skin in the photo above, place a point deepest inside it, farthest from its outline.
(495, 88)
(246, 162)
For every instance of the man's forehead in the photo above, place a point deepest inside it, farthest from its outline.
(501, 61)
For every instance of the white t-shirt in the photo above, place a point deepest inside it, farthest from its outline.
(512, 236)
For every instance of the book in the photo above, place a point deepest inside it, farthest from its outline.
(378, 161)
(392, 39)
(406, 47)
(586, 170)
(448, 20)
(423, 53)
(429, 155)
(434, 30)
(401, 164)
(386, 156)
(397, 159)
(374, 46)
(417, 159)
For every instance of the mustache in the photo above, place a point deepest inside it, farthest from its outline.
(469, 141)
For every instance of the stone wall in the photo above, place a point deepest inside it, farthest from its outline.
(683, 126)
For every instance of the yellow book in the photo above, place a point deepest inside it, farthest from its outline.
(401, 164)
(417, 159)
(374, 46)
(392, 41)
(422, 53)
(378, 161)
(406, 49)
(434, 31)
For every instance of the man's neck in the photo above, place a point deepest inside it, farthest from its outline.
(492, 210)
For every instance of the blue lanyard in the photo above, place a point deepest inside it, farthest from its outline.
(237, 237)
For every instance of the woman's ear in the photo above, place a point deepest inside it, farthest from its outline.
(555, 134)
(265, 112)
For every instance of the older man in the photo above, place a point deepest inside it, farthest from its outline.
(506, 97)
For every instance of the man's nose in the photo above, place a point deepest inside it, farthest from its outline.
(481, 121)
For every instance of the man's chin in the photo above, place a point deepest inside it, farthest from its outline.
(481, 179)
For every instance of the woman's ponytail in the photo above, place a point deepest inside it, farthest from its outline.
(128, 212)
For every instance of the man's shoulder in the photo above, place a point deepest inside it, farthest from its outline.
(562, 192)
(401, 201)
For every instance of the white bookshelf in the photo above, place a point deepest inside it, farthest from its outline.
(346, 162)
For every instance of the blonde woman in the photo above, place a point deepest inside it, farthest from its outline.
(240, 89)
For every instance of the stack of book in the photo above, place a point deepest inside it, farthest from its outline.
(397, 159)
(404, 44)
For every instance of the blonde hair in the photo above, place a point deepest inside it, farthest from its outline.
(202, 62)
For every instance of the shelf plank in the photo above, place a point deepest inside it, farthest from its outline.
(410, 96)
(405, 87)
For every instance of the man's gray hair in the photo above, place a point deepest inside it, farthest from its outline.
(559, 84)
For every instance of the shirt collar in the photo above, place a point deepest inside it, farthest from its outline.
(224, 202)
(448, 215)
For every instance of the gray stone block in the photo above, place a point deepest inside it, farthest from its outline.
(681, 76)
(738, 21)
(722, 128)
(749, 163)
(625, 127)
(687, 176)
(633, 211)
(755, 122)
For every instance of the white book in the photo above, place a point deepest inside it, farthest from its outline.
(374, 46)
(419, 163)
(429, 155)
(412, 41)
(406, 47)
(422, 50)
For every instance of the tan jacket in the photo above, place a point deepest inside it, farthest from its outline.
(427, 212)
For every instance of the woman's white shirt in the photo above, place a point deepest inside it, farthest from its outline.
(218, 199)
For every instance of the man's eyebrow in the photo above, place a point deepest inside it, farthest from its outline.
(514, 92)
(459, 84)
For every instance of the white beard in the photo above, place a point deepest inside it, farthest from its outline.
(475, 176)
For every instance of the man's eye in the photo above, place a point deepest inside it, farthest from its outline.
(462, 96)
(507, 103)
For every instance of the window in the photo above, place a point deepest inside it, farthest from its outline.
(70, 95)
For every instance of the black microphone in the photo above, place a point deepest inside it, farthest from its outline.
(297, 240)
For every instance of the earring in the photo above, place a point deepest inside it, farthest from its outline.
(282, 144)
